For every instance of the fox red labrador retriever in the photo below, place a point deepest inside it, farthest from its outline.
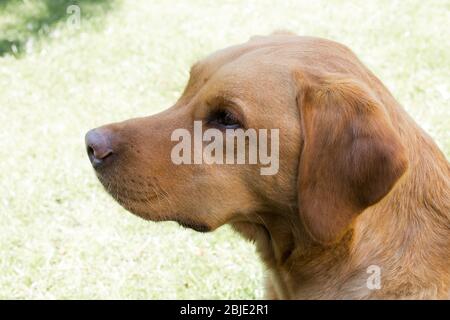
(360, 205)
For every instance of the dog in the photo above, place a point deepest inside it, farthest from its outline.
(360, 205)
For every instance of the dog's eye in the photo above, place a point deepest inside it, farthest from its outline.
(225, 119)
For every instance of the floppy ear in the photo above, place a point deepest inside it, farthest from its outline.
(351, 155)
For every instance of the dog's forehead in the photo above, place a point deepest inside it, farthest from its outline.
(266, 63)
(252, 51)
(223, 65)
(274, 50)
(241, 63)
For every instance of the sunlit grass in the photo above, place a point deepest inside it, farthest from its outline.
(61, 236)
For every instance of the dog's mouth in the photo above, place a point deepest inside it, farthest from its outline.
(135, 195)
(142, 202)
(199, 227)
(124, 193)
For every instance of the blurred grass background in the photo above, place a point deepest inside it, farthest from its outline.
(61, 236)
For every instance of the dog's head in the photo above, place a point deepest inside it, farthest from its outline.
(337, 150)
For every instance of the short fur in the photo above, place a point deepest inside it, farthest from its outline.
(359, 184)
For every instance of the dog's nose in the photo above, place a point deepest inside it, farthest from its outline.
(98, 145)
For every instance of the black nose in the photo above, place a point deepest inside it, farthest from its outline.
(98, 145)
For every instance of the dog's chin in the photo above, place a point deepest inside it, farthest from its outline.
(199, 227)
(155, 217)
(140, 207)
(143, 213)
(185, 223)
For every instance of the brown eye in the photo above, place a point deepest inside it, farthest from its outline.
(224, 119)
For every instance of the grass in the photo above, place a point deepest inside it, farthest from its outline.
(61, 236)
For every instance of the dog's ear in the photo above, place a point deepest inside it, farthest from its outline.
(351, 156)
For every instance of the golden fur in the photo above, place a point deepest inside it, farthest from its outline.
(359, 184)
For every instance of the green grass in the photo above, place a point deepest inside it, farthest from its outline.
(61, 236)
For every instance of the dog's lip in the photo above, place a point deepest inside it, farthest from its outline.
(130, 206)
(186, 223)
(121, 195)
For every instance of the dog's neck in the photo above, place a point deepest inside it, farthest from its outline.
(294, 261)
(406, 236)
